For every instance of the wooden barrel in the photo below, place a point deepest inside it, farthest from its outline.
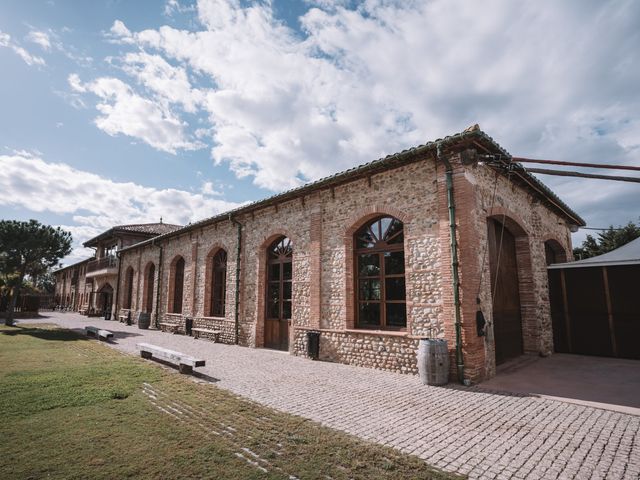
(144, 320)
(433, 361)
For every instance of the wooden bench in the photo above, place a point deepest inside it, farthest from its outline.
(98, 333)
(198, 331)
(186, 363)
(169, 327)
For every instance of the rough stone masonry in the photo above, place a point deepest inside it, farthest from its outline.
(328, 291)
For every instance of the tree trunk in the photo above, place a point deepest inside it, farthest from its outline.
(8, 319)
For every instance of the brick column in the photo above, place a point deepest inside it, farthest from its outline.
(473, 349)
(194, 276)
(315, 287)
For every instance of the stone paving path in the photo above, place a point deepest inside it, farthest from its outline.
(467, 430)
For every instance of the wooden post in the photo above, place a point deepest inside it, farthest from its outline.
(565, 305)
(607, 294)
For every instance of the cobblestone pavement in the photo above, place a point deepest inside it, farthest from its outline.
(464, 429)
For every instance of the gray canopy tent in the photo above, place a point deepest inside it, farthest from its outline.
(595, 304)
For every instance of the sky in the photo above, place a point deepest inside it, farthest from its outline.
(116, 112)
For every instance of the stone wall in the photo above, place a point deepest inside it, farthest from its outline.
(321, 225)
(481, 193)
(71, 295)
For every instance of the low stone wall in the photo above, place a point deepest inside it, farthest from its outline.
(173, 319)
(225, 326)
(396, 353)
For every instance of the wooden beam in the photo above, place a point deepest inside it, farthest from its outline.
(577, 164)
(568, 173)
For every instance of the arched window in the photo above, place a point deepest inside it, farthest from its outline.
(149, 281)
(380, 284)
(128, 281)
(553, 252)
(218, 283)
(178, 285)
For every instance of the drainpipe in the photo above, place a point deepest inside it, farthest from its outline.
(116, 310)
(454, 260)
(238, 253)
(159, 284)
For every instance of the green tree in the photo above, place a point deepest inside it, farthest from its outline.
(26, 248)
(607, 240)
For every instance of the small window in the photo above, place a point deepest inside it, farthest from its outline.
(380, 280)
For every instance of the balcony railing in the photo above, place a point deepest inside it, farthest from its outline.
(102, 264)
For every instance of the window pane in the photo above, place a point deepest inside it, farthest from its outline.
(399, 238)
(369, 315)
(274, 291)
(286, 290)
(286, 310)
(286, 270)
(274, 272)
(393, 263)
(274, 309)
(396, 314)
(394, 289)
(369, 289)
(365, 239)
(394, 228)
(369, 265)
(385, 222)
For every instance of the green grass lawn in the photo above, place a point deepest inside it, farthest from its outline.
(72, 408)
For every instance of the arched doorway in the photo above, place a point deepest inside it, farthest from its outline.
(105, 298)
(278, 292)
(505, 291)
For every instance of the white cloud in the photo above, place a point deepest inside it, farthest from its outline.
(97, 203)
(546, 79)
(171, 7)
(166, 81)
(28, 58)
(124, 112)
(40, 38)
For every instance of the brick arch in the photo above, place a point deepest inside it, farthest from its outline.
(558, 249)
(526, 282)
(356, 221)
(261, 281)
(511, 220)
(213, 251)
(172, 283)
(362, 216)
(148, 288)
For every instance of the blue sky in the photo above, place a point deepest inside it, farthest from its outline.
(125, 111)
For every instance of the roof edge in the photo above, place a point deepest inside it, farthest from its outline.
(365, 169)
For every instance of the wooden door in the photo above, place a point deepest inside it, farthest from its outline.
(278, 302)
(507, 322)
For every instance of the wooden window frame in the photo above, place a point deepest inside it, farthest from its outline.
(278, 261)
(380, 248)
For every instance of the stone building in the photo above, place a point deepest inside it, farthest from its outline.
(69, 291)
(88, 286)
(366, 258)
